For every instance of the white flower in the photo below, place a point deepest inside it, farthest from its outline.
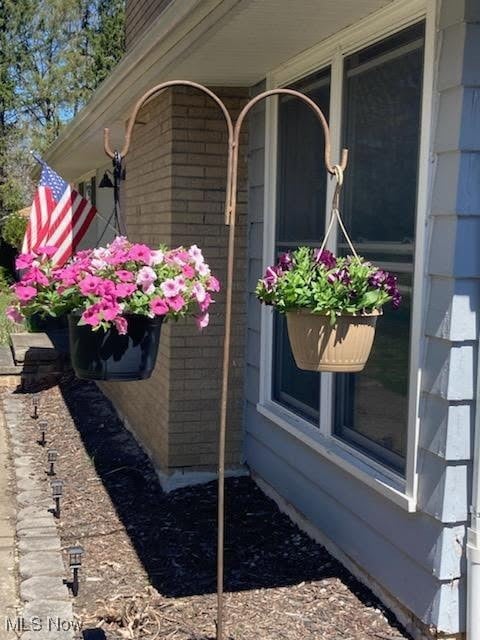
(156, 258)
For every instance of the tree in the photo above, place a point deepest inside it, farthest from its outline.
(53, 55)
(63, 50)
(10, 190)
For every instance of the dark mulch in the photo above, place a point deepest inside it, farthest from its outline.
(149, 569)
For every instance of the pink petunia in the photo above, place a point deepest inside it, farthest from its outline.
(199, 292)
(203, 269)
(213, 284)
(206, 302)
(140, 253)
(188, 271)
(91, 315)
(180, 280)
(176, 303)
(156, 257)
(145, 278)
(47, 251)
(24, 260)
(13, 314)
(120, 242)
(98, 264)
(109, 309)
(181, 258)
(24, 293)
(35, 276)
(90, 285)
(170, 288)
(159, 307)
(68, 275)
(196, 254)
(124, 276)
(107, 288)
(202, 321)
(121, 325)
(119, 257)
(124, 289)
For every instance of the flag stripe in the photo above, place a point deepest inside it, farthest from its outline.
(67, 241)
(64, 233)
(81, 221)
(46, 204)
(62, 217)
(59, 217)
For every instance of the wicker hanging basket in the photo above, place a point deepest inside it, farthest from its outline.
(319, 346)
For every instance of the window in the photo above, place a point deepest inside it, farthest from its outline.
(301, 193)
(381, 111)
(88, 189)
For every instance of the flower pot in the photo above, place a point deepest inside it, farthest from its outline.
(37, 323)
(319, 346)
(107, 355)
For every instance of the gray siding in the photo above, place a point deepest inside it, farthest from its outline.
(418, 558)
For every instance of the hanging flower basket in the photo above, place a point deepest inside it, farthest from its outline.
(332, 305)
(317, 345)
(109, 355)
(116, 298)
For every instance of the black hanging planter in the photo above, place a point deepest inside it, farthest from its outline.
(107, 355)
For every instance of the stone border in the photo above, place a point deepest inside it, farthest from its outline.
(8, 562)
(44, 596)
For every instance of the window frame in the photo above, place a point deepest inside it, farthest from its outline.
(331, 53)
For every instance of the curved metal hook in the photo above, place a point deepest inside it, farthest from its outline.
(151, 92)
(315, 108)
(238, 125)
(158, 89)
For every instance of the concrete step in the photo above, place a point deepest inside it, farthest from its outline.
(33, 348)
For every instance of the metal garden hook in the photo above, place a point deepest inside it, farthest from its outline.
(230, 220)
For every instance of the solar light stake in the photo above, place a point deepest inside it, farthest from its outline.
(75, 562)
(52, 455)
(42, 427)
(35, 405)
(57, 490)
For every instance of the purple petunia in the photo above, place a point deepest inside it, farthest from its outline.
(270, 278)
(383, 280)
(339, 275)
(325, 257)
(285, 261)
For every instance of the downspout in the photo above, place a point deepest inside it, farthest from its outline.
(473, 532)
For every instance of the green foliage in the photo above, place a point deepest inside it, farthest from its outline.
(6, 326)
(326, 285)
(13, 230)
(5, 279)
(53, 54)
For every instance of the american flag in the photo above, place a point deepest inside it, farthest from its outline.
(59, 217)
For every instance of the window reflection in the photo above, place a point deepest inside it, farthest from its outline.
(383, 86)
(300, 220)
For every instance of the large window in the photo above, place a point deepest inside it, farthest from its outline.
(301, 193)
(381, 127)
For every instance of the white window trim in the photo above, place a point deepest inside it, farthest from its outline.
(331, 52)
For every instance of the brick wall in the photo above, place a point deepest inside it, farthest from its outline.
(139, 15)
(198, 195)
(175, 193)
(146, 195)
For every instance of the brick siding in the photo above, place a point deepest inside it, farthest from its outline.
(175, 193)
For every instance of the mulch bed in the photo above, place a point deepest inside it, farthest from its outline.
(149, 566)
